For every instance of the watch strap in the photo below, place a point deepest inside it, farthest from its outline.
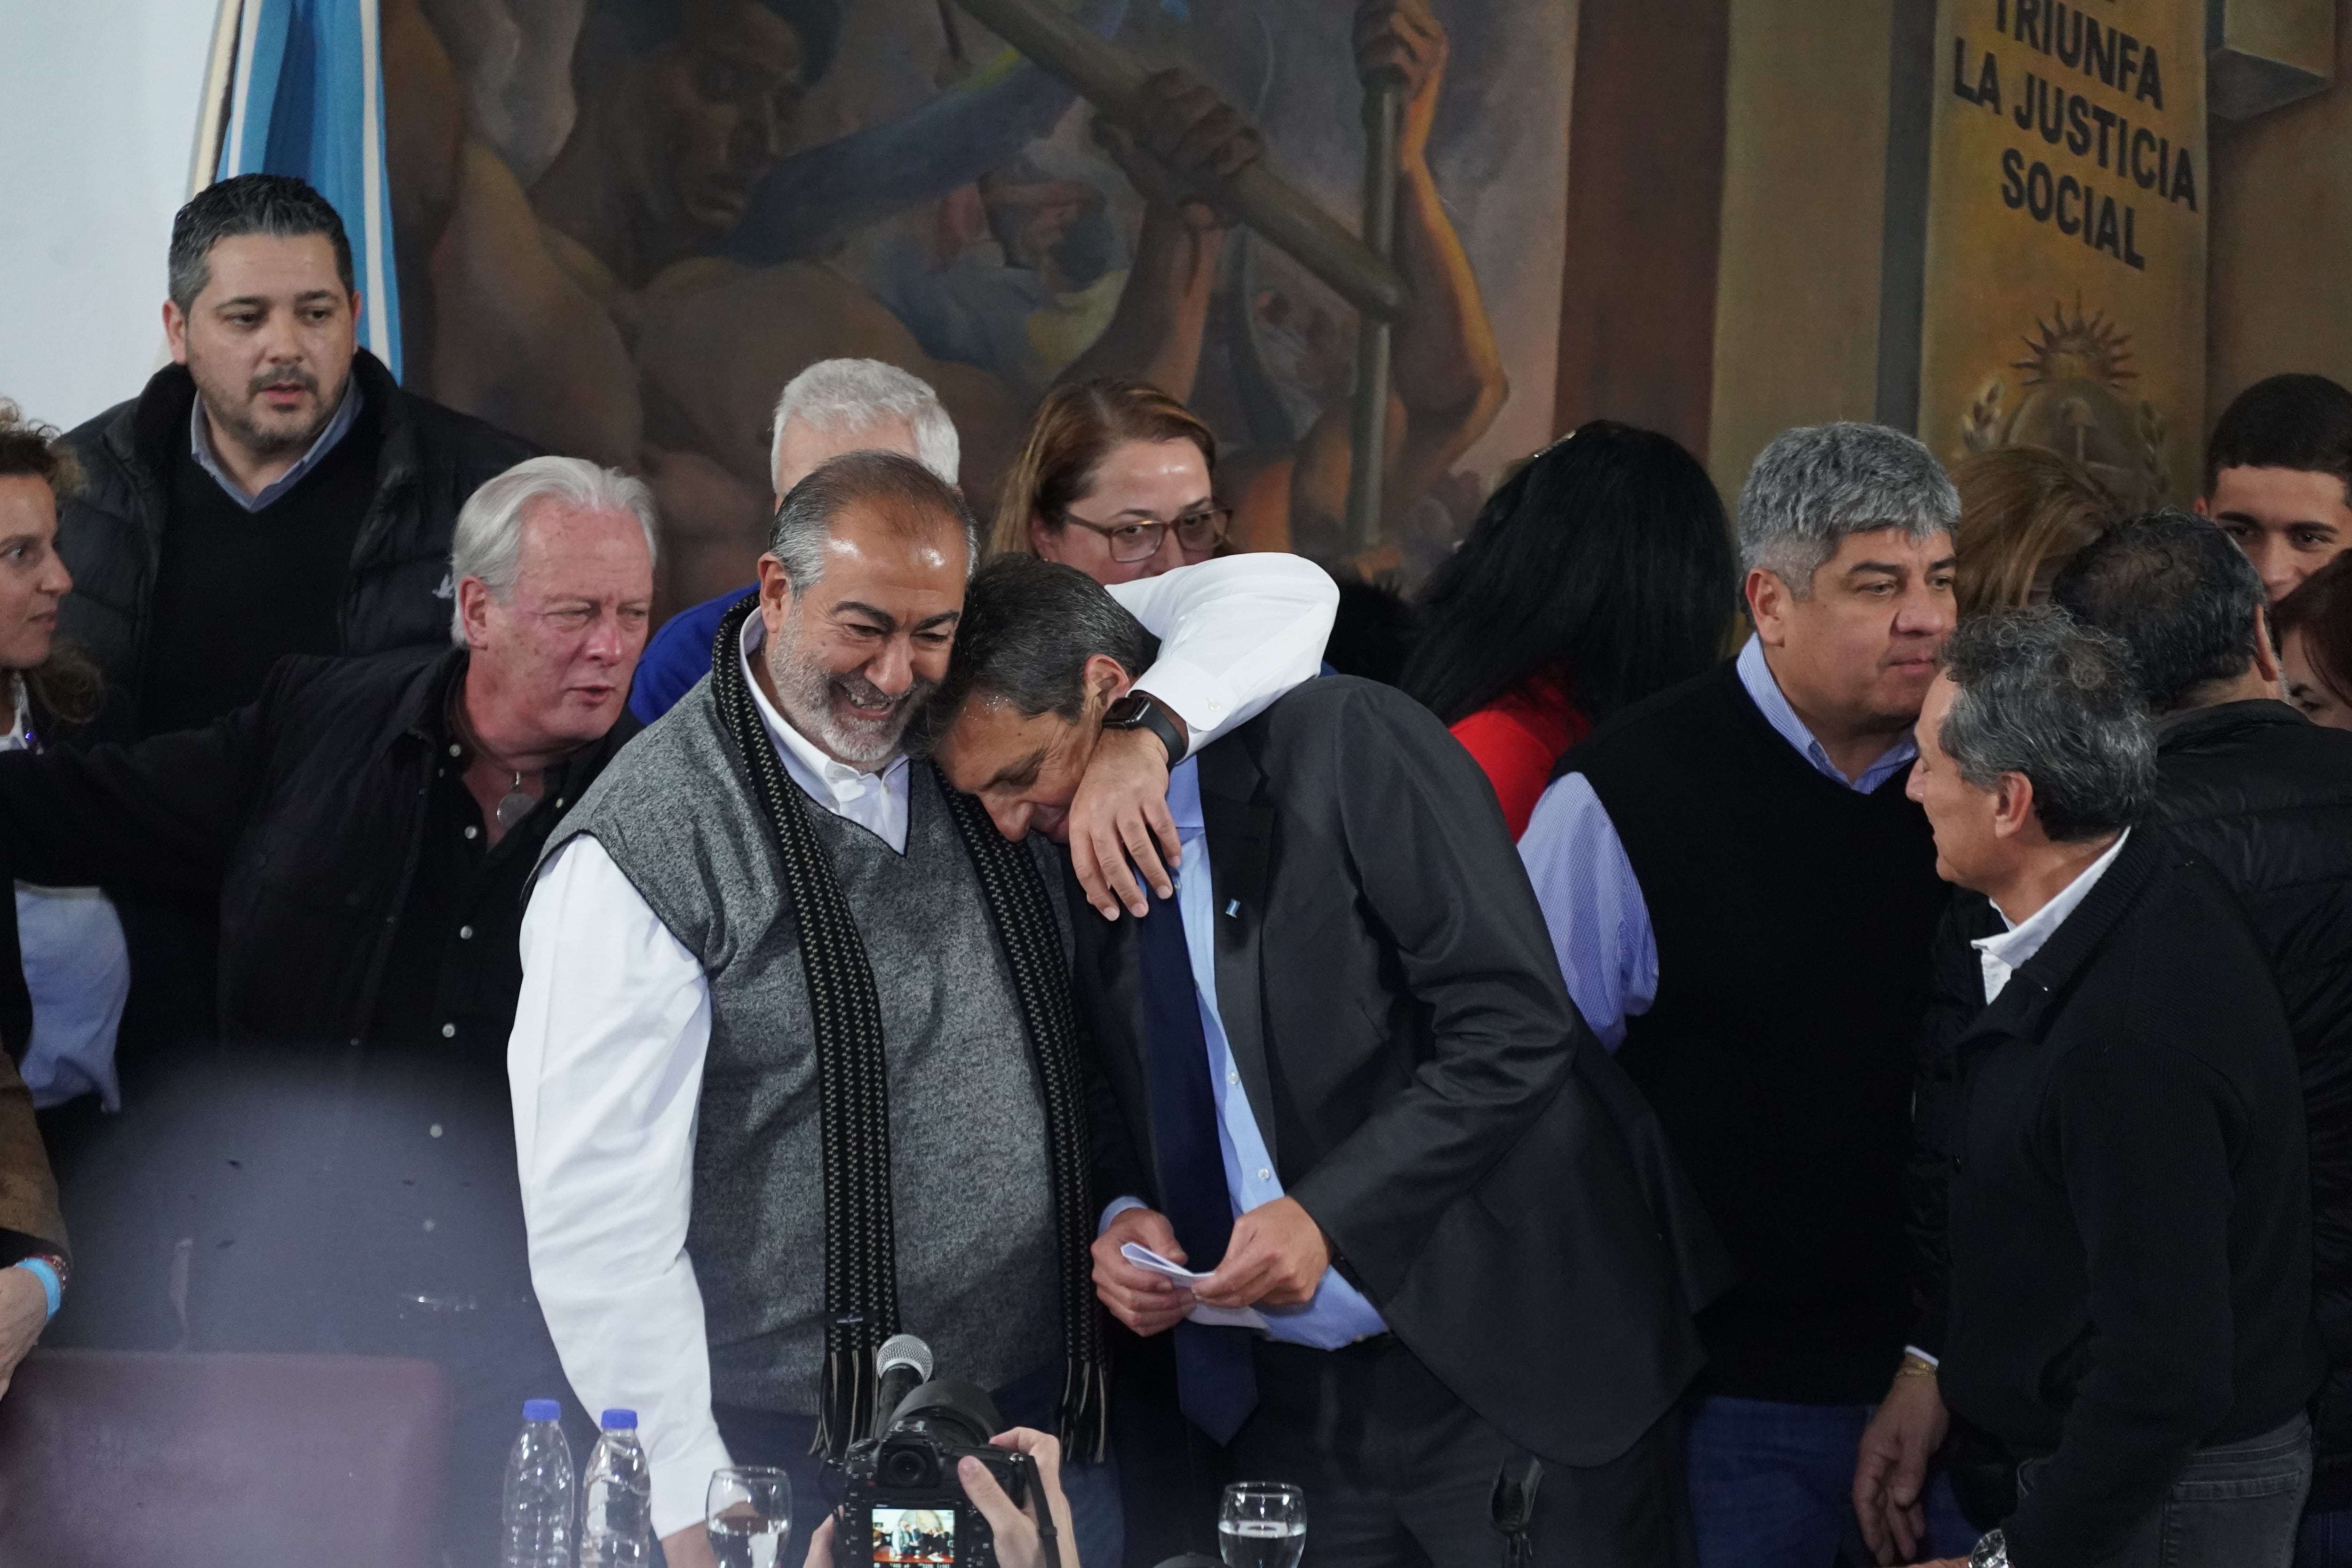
(1140, 711)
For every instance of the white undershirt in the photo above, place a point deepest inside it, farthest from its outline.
(2003, 955)
(613, 1020)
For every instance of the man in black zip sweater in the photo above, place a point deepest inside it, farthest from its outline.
(2125, 1314)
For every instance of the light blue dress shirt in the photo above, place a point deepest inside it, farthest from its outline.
(200, 442)
(1591, 902)
(1339, 1314)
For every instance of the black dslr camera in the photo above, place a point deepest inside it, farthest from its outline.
(904, 1502)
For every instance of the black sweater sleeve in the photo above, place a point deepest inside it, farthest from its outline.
(2142, 1137)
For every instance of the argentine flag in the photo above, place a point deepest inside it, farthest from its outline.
(307, 99)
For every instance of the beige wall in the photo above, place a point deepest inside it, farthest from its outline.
(1796, 320)
(2280, 287)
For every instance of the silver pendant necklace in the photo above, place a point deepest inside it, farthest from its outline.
(514, 805)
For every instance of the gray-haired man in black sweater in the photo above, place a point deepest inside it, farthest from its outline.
(2124, 1319)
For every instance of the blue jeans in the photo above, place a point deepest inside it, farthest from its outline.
(1771, 1486)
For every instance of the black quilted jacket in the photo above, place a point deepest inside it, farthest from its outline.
(110, 532)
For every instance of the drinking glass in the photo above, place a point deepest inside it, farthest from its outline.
(748, 1514)
(1263, 1524)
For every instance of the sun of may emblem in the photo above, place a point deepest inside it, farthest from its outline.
(2074, 399)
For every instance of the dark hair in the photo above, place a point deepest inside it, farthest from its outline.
(278, 205)
(2179, 594)
(1072, 431)
(1372, 631)
(1606, 557)
(2321, 609)
(2284, 422)
(1028, 628)
(66, 686)
(2043, 695)
(912, 498)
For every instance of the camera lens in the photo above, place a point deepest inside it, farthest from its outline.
(907, 1465)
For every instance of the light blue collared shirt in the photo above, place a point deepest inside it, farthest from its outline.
(1600, 925)
(1339, 1314)
(200, 442)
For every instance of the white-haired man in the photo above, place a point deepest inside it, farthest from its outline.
(1742, 900)
(836, 406)
(345, 1168)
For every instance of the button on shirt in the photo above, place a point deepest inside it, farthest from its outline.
(1339, 1314)
(2003, 955)
(1585, 883)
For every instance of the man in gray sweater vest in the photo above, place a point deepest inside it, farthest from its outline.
(793, 1066)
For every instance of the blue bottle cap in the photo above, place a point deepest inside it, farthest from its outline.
(620, 1421)
(541, 1410)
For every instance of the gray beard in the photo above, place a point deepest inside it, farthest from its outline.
(804, 693)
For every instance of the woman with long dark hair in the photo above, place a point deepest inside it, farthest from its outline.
(1600, 573)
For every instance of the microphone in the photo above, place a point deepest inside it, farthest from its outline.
(904, 1363)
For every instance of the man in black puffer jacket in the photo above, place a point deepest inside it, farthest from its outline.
(272, 492)
(2265, 796)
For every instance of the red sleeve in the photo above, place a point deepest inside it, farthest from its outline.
(1517, 762)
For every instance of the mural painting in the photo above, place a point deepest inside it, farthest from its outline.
(624, 224)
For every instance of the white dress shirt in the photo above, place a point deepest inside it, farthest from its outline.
(613, 1020)
(2003, 955)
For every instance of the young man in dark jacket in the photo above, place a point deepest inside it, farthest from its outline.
(274, 490)
(2265, 797)
(343, 1166)
(2123, 1322)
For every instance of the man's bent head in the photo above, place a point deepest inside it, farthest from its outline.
(1043, 652)
(860, 592)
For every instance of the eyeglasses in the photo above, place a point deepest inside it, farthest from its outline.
(1196, 531)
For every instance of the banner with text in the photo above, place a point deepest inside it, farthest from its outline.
(2065, 261)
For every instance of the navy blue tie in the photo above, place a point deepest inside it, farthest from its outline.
(1216, 1375)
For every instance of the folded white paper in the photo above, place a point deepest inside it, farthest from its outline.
(1212, 1317)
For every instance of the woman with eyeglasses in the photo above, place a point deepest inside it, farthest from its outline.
(1600, 573)
(1117, 479)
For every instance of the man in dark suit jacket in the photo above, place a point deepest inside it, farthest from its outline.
(1340, 1075)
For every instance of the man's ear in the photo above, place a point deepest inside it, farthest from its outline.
(2012, 805)
(474, 611)
(1767, 605)
(2201, 508)
(775, 593)
(2266, 656)
(1106, 681)
(176, 330)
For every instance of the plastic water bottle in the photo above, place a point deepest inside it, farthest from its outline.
(539, 1492)
(617, 1516)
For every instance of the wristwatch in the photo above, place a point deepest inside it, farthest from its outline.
(1992, 1551)
(1139, 711)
